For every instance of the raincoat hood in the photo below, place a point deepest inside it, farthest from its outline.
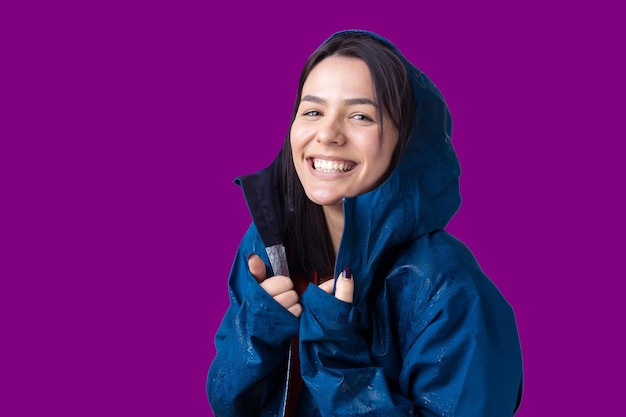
(425, 182)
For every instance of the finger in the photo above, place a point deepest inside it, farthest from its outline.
(287, 299)
(327, 286)
(277, 284)
(344, 290)
(295, 309)
(257, 267)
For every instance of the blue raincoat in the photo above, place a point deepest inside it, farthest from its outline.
(428, 334)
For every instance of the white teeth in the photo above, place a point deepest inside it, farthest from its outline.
(331, 166)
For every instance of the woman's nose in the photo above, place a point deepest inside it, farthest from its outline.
(331, 132)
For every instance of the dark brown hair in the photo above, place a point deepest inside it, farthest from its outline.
(308, 243)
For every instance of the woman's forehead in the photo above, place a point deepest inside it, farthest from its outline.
(340, 76)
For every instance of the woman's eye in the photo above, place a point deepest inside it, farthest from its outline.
(363, 118)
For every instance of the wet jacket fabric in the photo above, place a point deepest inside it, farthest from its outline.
(428, 334)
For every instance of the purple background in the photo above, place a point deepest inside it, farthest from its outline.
(123, 125)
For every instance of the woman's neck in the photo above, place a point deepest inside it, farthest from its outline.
(334, 221)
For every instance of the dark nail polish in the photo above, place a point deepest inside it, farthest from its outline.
(346, 273)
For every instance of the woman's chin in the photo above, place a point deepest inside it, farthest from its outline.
(325, 199)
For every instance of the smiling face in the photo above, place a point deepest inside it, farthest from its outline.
(335, 137)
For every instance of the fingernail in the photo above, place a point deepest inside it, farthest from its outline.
(346, 273)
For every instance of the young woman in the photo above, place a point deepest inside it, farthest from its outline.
(347, 298)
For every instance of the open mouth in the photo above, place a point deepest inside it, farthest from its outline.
(332, 166)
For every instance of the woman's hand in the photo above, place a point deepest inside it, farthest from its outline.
(345, 286)
(279, 287)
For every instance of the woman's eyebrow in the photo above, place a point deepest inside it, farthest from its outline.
(348, 101)
(313, 99)
(353, 101)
